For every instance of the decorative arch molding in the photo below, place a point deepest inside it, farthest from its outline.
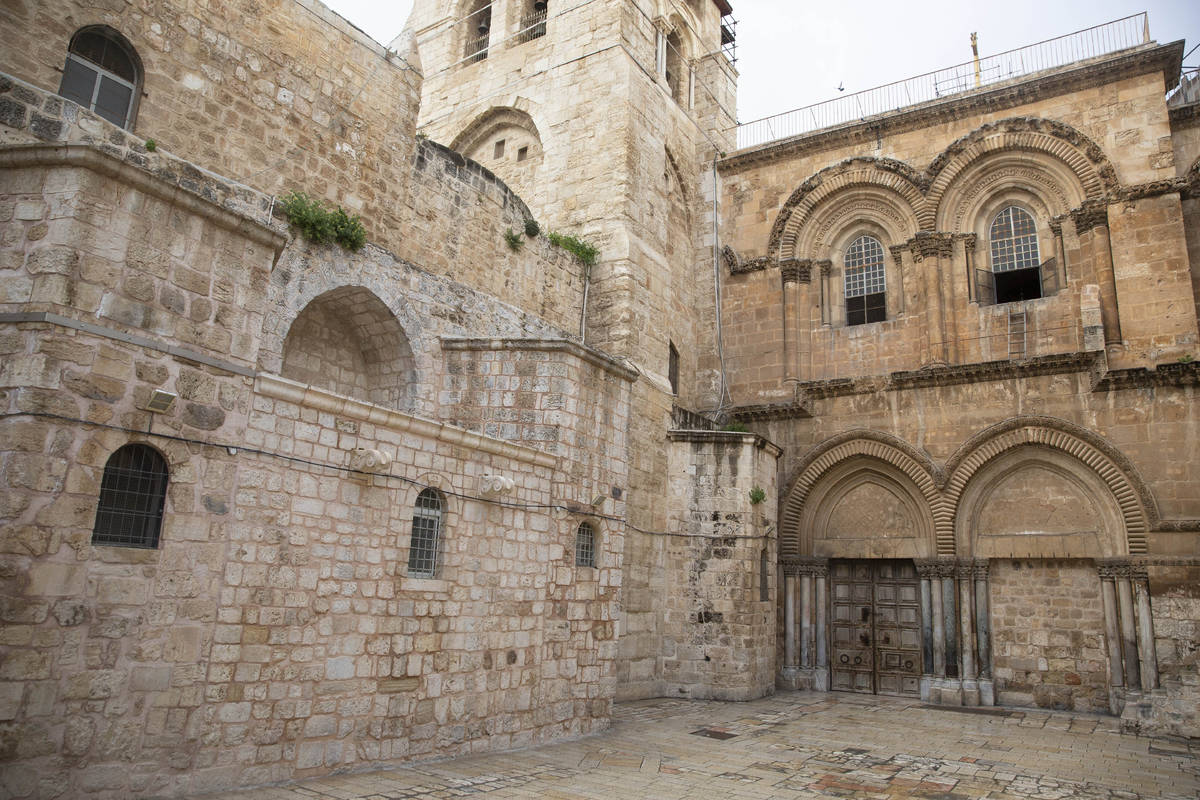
(480, 129)
(852, 208)
(924, 191)
(1137, 507)
(1058, 140)
(911, 463)
(887, 173)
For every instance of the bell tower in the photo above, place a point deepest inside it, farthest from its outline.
(606, 118)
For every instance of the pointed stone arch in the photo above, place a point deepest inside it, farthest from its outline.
(1056, 142)
(1136, 504)
(894, 177)
(894, 455)
(348, 341)
(479, 130)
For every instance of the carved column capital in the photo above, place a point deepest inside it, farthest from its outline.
(1121, 569)
(931, 245)
(817, 568)
(795, 270)
(1056, 224)
(897, 251)
(1092, 214)
(791, 567)
(980, 569)
(929, 568)
(825, 266)
(970, 241)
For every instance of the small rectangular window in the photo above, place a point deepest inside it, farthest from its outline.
(522, 154)
(673, 367)
(499, 149)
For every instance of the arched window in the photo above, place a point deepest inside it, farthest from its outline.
(1016, 263)
(865, 286)
(585, 545)
(103, 73)
(533, 20)
(478, 27)
(132, 493)
(426, 535)
(676, 68)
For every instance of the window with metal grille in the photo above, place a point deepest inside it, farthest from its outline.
(478, 26)
(426, 535)
(865, 284)
(1016, 273)
(102, 74)
(533, 22)
(585, 545)
(132, 493)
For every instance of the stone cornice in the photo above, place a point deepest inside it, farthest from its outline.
(582, 352)
(753, 265)
(726, 437)
(953, 374)
(1185, 374)
(1050, 83)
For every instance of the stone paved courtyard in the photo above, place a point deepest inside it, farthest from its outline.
(802, 745)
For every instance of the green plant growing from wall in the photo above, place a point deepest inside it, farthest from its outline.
(514, 240)
(582, 250)
(320, 225)
(532, 229)
(757, 495)
(151, 145)
(736, 427)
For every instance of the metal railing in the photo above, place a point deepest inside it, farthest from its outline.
(1111, 37)
(533, 26)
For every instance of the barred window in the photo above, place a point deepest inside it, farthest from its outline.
(585, 545)
(1014, 241)
(426, 535)
(132, 493)
(865, 284)
(102, 74)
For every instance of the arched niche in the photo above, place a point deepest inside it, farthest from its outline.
(349, 342)
(865, 508)
(1043, 184)
(506, 141)
(1036, 502)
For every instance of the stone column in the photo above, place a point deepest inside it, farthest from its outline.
(1133, 674)
(1112, 628)
(966, 597)
(898, 251)
(949, 609)
(790, 273)
(1060, 252)
(929, 250)
(926, 621)
(806, 632)
(789, 615)
(939, 627)
(1093, 216)
(969, 242)
(983, 621)
(821, 579)
(1145, 629)
(826, 269)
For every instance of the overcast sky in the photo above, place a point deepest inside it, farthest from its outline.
(795, 52)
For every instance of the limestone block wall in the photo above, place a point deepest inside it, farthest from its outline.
(279, 95)
(1173, 709)
(718, 624)
(1048, 635)
(794, 199)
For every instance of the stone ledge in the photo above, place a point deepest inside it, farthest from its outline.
(726, 437)
(592, 356)
(280, 388)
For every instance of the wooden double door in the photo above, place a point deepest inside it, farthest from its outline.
(875, 630)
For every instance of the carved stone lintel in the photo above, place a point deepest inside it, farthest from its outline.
(1122, 570)
(1092, 214)
(796, 270)
(753, 265)
(817, 568)
(931, 245)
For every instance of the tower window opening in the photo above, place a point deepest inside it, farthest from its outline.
(426, 535)
(585, 545)
(498, 150)
(533, 21)
(522, 153)
(132, 493)
(673, 367)
(478, 25)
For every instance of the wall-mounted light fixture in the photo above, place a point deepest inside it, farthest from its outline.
(160, 402)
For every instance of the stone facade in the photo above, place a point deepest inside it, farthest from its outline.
(970, 501)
